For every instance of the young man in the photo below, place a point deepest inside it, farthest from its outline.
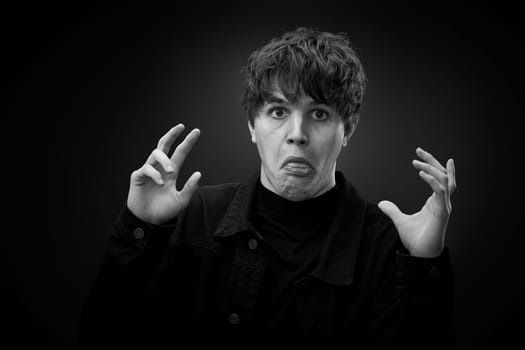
(293, 256)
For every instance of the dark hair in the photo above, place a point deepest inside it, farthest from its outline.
(321, 65)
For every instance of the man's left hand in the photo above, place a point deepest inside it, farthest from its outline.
(423, 233)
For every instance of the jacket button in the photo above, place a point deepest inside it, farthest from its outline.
(252, 243)
(233, 318)
(435, 272)
(138, 233)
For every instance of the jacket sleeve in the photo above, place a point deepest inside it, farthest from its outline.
(413, 302)
(120, 310)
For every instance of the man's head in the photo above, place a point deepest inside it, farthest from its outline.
(303, 94)
(305, 61)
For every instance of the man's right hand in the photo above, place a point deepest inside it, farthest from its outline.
(153, 195)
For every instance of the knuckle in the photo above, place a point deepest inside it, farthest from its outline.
(156, 153)
(159, 156)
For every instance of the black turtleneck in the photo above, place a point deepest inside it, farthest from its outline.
(295, 232)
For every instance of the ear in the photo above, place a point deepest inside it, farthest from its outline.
(350, 126)
(346, 138)
(252, 132)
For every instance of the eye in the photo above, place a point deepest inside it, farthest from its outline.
(278, 113)
(319, 114)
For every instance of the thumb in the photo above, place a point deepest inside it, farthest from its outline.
(391, 210)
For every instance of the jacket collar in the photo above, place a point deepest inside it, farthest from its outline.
(238, 215)
(339, 252)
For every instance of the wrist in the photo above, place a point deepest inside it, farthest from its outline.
(426, 253)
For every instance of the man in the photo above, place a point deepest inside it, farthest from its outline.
(294, 256)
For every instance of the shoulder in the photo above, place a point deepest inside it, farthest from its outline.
(380, 235)
(215, 193)
(197, 223)
(213, 198)
(379, 230)
(372, 221)
(375, 219)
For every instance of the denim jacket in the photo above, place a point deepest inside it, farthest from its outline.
(194, 283)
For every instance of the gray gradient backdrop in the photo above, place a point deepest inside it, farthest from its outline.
(93, 89)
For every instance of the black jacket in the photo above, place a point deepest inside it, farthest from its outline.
(196, 281)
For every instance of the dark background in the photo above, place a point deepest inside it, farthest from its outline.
(90, 91)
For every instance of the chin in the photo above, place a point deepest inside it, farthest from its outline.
(296, 196)
(295, 190)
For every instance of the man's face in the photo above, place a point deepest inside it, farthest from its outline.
(298, 144)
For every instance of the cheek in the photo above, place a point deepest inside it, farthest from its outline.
(329, 151)
(267, 146)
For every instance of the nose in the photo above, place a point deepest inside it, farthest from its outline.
(297, 133)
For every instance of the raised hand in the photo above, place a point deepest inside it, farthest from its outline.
(153, 195)
(423, 233)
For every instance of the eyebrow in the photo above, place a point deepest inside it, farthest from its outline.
(275, 99)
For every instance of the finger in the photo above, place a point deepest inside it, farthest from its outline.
(184, 148)
(159, 157)
(451, 171)
(434, 184)
(391, 210)
(431, 170)
(149, 172)
(166, 141)
(190, 187)
(429, 158)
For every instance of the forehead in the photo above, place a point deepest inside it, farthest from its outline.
(277, 96)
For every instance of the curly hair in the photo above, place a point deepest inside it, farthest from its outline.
(306, 61)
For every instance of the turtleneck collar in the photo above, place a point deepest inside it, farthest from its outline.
(277, 206)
